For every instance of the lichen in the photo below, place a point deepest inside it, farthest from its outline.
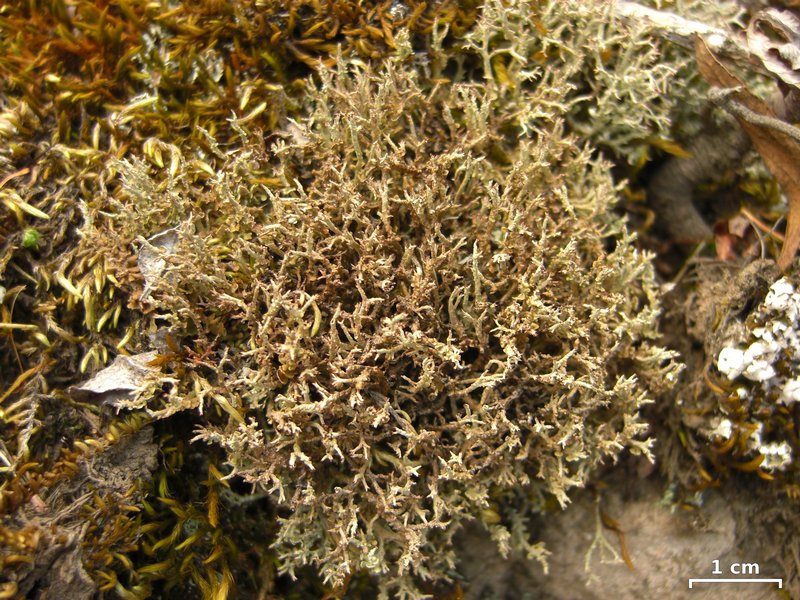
(434, 316)
(396, 296)
(765, 368)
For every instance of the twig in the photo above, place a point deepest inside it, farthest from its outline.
(759, 224)
(723, 97)
(682, 32)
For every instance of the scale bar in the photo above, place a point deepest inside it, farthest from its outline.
(778, 581)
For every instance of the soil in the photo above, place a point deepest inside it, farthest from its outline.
(667, 547)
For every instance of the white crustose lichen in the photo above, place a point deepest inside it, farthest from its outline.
(771, 362)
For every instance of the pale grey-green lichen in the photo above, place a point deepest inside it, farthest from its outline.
(421, 305)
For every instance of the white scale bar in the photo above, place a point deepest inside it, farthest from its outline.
(778, 581)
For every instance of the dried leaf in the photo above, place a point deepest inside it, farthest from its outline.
(119, 381)
(669, 146)
(774, 37)
(151, 257)
(780, 151)
(724, 242)
(738, 226)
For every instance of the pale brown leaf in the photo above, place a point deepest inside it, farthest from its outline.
(724, 242)
(773, 37)
(780, 151)
(118, 382)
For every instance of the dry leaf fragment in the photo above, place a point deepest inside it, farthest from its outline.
(779, 150)
(151, 258)
(118, 382)
(724, 242)
(774, 37)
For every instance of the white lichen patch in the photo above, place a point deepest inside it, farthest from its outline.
(723, 431)
(782, 298)
(777, 456)
(731, 362)
(767, 371)
(755, 440)
(791, 392)
(775, 340)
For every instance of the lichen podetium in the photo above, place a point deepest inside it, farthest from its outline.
(431, 314)
(396, 297)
